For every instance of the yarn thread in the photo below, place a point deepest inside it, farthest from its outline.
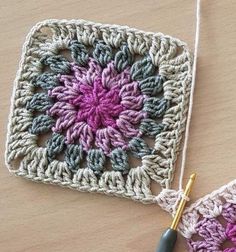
(189, 116)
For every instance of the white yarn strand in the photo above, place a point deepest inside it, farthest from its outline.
(186, 136)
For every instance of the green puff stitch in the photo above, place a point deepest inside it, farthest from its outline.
(102, 53)
(40, 102)
(156, 107)
(119, 160)
(55, 145)
(123, 58)
(79, 53)
(96, 160)
(139, 148)
(74, 156)
(46, 81)
(42, 124)
(142, 69)
(152, 85)
(57, 63)
(150, 127)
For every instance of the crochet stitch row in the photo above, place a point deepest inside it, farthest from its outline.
(120, 94)
(210, 223)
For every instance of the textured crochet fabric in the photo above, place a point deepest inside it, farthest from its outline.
(209, 225)
(99, 108)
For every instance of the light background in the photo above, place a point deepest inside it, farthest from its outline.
(45, 218)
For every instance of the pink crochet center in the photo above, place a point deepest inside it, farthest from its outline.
(97, 107)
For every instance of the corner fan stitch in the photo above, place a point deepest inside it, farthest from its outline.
(99, 108)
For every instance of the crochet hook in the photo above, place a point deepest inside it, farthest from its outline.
(169, 237)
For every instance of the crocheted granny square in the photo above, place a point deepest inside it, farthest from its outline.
(210, 223)
(99, 108)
